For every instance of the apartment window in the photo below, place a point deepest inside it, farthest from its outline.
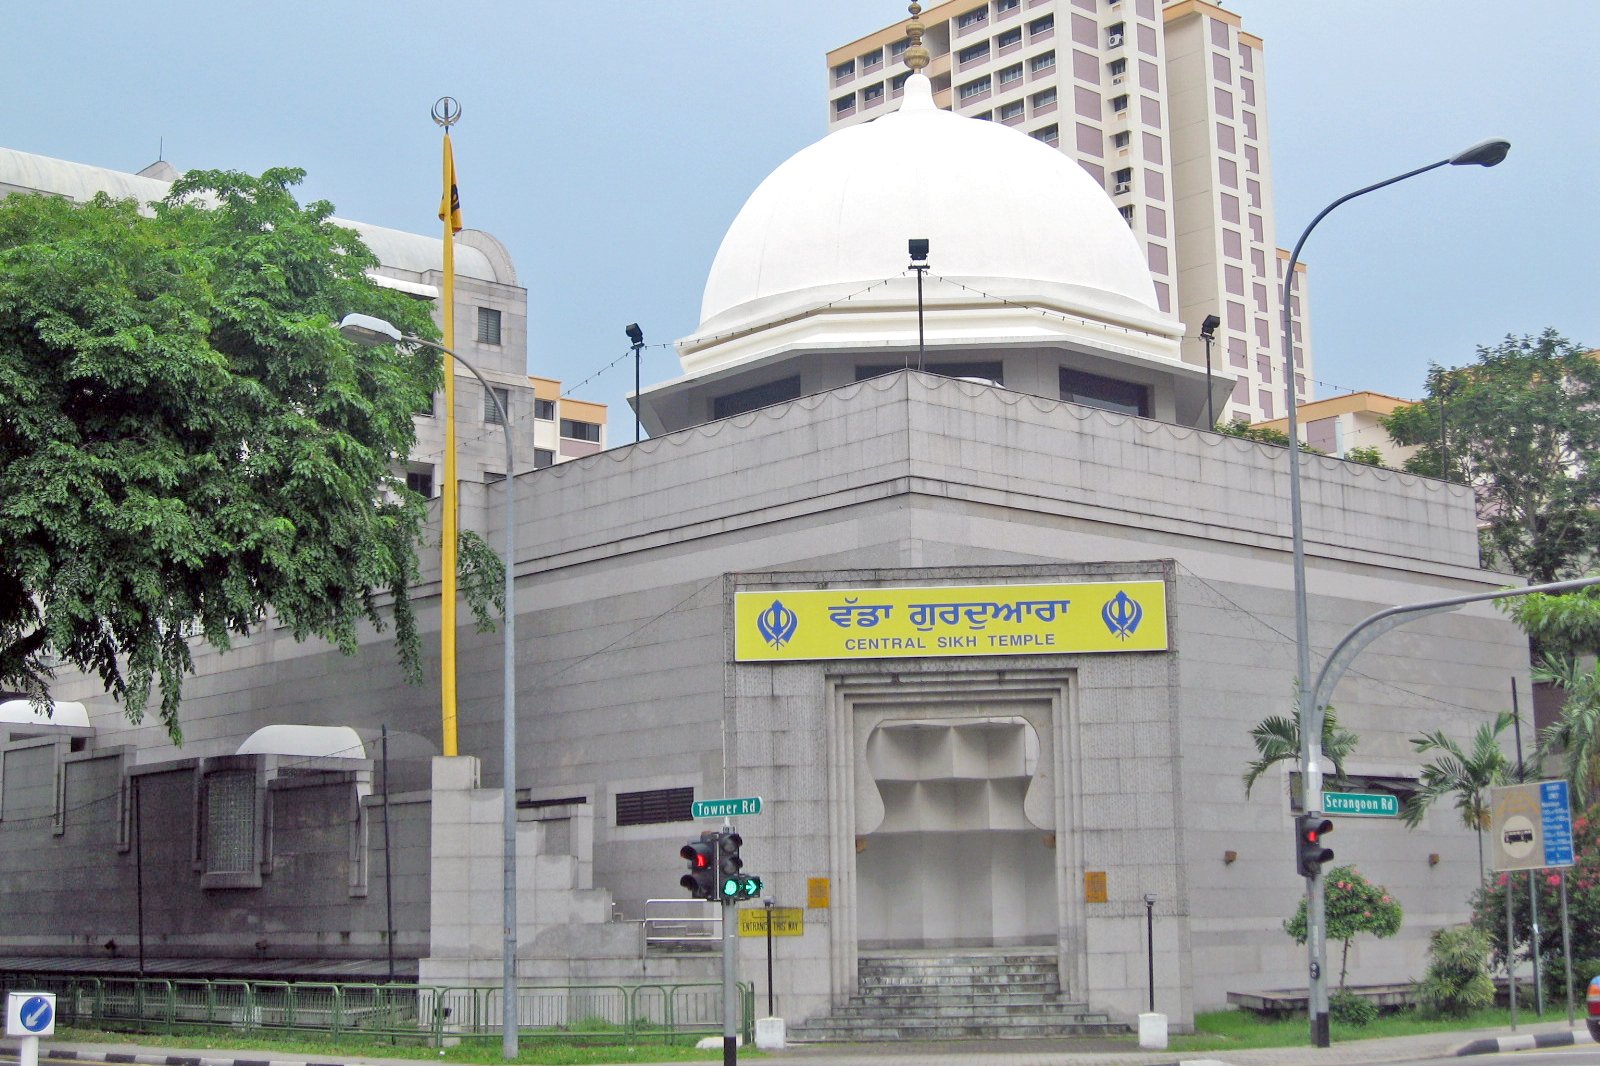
(1041, 63)
(491, 413)
(1009, 39)
(1114, 34)
(1126, 211)
(1050, 134)
(1119, 139)
(1119, 103)
(1009, 75)
(576, 430)
(973, 54)
(872, 59)
(1117, 68)
(974, 89)
(844, 71)
(844, 105)
(1041, 27)
(872, 94)
(1108, 394)
(898, 82)
(755, 397)
(969, 19)
(419, 479)
(1012, 111)
(1043, 98)
(488, 325)
(655, 807)
(544, 409)
(543, 457)
(898, 48)
(427, 409)
(1003, 6)
(1123, 176)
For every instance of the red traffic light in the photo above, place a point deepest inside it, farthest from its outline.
(1309, 852)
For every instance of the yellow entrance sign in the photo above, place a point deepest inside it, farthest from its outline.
(786, 921)
(944, 620)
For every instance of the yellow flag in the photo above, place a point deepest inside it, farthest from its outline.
(450, 202)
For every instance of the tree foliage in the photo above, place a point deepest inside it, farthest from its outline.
(186, 441)
(1466, 774)
(1352, 906)
(1260, 434)
(1277, 739)
(1522, 428)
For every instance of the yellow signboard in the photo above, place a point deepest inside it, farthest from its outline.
(786, 921)
(876, 623)
(1094, 886)
(818, 893)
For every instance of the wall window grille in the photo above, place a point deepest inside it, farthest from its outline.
(488, 325)
(230, 840)
(491, 413)
(654, 807)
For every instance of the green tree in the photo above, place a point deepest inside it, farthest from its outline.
(1522, 428)
(1353, 905)
(186, 442)
(1260, 434)
(1365, 456)
(1466, 775)
(1565, 630)
(1277, 739)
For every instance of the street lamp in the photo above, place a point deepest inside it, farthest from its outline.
(1208, 333)
(918, 249)
(636, 339)
(1483, 154)
(370, 332)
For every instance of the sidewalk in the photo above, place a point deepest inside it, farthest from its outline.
(1086, 1052)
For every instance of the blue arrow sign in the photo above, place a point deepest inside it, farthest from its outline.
(36, 1014)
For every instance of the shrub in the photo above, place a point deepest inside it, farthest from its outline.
(1457, 982)
(1352, 1008)
(1354, 905)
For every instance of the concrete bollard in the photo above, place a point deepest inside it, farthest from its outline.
(1153, 1031)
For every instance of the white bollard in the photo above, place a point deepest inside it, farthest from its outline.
(1153, 1031)
(770, 1034)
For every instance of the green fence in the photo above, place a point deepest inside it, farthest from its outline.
(402, 1012)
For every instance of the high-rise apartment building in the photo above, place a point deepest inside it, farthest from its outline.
(1164, 104)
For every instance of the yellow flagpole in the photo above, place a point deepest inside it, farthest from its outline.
(450, 212)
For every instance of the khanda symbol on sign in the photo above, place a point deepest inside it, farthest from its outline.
(777, 624)
(1122, 615)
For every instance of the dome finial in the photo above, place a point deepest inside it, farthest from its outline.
(916, 55)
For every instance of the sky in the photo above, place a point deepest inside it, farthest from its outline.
(610, 145)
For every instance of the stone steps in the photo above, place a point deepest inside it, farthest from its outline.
(967, 996)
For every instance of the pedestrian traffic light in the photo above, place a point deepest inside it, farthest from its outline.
(701, 880)
(1310, 851)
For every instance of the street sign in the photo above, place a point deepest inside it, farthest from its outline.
(1530, 826)
(30, 1014)
(786, 921)
(725, 808)
(1361, 804)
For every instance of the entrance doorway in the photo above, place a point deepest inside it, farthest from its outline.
(955, 861)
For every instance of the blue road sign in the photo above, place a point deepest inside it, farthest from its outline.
(1555, 823)
(36, 1014)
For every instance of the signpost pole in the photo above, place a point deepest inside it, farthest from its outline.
(1511, 945)
(1566, 949)
(772, 1011)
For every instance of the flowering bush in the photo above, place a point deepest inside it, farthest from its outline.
(1583, 903)
(1353, 905)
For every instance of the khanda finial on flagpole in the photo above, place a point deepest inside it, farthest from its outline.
(447, 111)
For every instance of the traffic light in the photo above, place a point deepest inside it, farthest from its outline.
(1310, 851)
(701, 880)
(732, 884)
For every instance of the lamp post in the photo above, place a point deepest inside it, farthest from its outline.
(636, 337)
(371, 332)
(1484, 154)
(918, 247)
(1208, 333)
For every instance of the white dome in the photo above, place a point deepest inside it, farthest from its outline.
(996, 205)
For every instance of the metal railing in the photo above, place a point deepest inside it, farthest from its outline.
(414, 1014)
(681, 921)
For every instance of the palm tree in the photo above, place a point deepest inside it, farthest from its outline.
(1466, 775)
(1576, 733)
(1277, 739)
